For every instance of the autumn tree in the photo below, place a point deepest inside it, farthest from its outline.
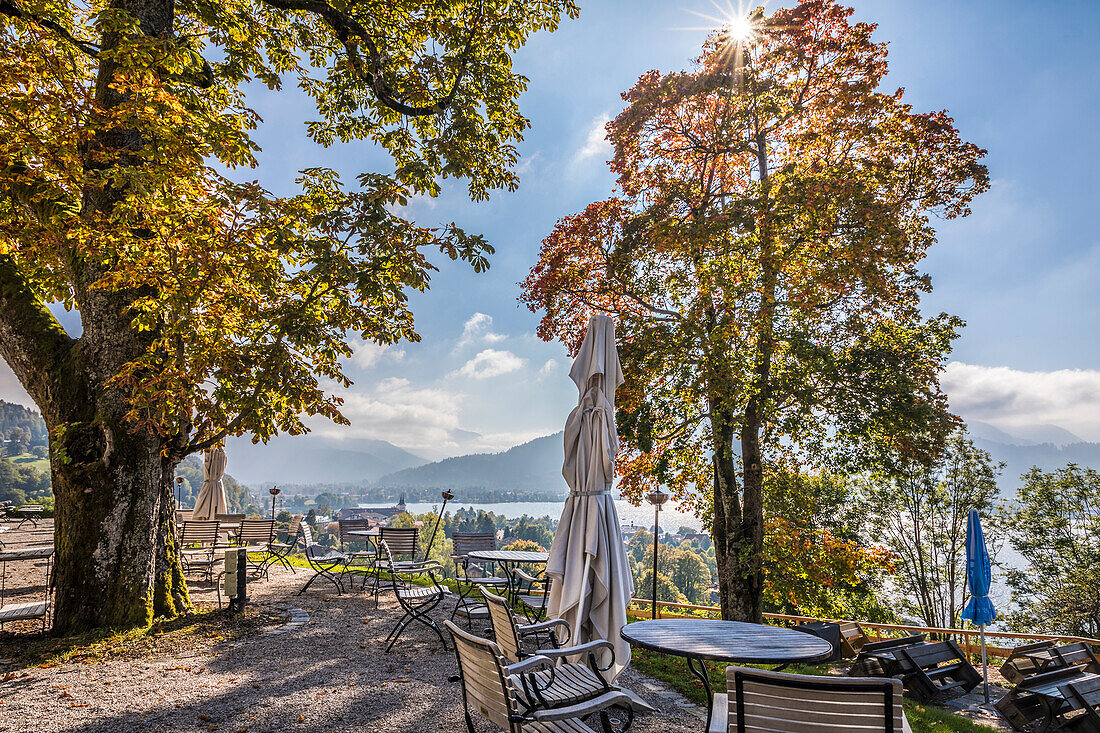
(209, 306)
(762, 261)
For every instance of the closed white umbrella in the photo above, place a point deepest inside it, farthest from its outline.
(211, 498)
(590, 576)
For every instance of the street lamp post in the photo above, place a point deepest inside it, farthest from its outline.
(447, 496)
(179, 492)
(657, 498)
(274, 491)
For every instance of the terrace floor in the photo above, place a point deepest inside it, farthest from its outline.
(326, 674)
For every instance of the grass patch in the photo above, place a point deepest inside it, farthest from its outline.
(674, 672)
(29, 460)
(205, 628)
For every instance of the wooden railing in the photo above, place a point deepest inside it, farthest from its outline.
(968, 638)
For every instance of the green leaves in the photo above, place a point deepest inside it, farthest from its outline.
(236, 306)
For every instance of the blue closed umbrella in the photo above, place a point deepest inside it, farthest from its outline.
(979, 576)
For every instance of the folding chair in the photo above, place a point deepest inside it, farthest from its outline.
(572, 682)
(473, 577)
(199, 541)
(256, 535)
(417, 601)
(280, 550)
(326, 562)
(779, 702)
(509, 695)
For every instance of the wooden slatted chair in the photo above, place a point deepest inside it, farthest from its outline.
(280, 549)
(532, 594)
(256, 536)
(402, 554)
(508, 695)
(473, 578)
(760, 701)
(416, 600)
(199, 543)
(326, 562)
(937, 668)
(572, 682)
(360, 560)
(1085, 696)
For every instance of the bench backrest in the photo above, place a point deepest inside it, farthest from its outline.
(401, 540)
(929, 656)
(199, 532)
(1078, 653)
(874, 646)
(505, 632)
(256, 531)
(464, 543)
(485, 689)
(777, 702)
(230, 518)
(1086, 696)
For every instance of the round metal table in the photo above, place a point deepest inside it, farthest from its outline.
(725, 641)
(507, 559)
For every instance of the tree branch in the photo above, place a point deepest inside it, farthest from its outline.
(32, 342)
(9, 8)
(349, 30)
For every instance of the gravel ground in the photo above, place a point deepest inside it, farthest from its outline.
(328, 674)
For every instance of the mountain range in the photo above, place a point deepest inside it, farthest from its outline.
(315, 460)
(532, 466)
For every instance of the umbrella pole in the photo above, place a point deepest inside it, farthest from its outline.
(985, 667)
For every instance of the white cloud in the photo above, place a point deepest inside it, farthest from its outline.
(477, 328)
(1010, 398)
(491, 363)
(529, 163)
(366, 354)
(548, 368)
(596, 143)
(396, 411)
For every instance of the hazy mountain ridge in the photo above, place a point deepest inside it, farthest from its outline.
(533, 466)
(315, 460)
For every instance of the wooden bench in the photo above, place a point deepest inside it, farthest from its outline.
(880, 658)
(24, 611)
(1025, 660)
(1031, 659)
(1040, 701)
(1084, 696)
(937, 668)
(852, 639)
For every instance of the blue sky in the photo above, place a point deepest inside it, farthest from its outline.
(1021, 80)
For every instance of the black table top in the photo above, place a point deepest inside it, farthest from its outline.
(727, 641)
(507, 556)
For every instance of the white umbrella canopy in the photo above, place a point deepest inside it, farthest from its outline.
(590, 575)
(211, 498)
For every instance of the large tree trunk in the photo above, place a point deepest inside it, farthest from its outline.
(116, 564)
(736, 548)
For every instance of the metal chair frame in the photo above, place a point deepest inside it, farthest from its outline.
(416, 601)
(509, 695)
(463, 543)
(205, 534)
(324, 560)
(279, 550)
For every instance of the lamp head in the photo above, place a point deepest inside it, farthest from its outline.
(274, 491)
(447, 496)
(657, 498)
